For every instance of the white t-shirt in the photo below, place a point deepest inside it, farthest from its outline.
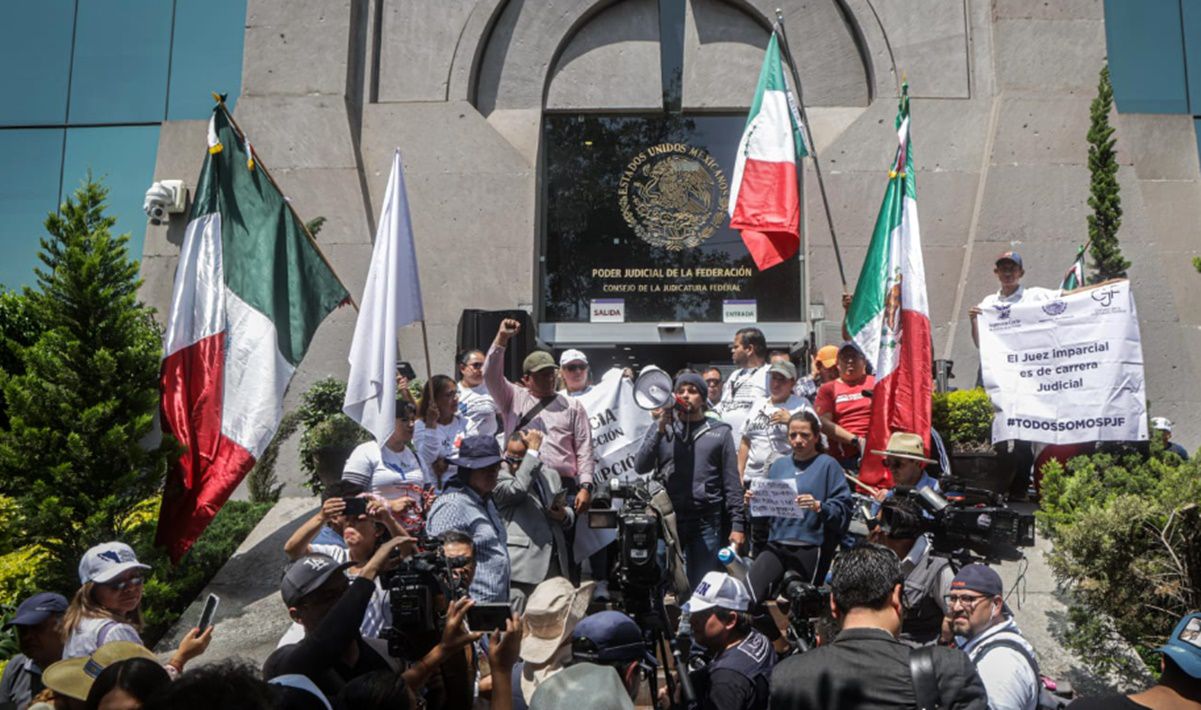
(768, 441)
(1034, 293)
(85, 639)
(741, 390)
(381, 470)
(376, 619)
(440, 441)
(478, 410)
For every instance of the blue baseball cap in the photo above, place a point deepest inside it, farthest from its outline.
(979, 578)
(1010, 256)
(853, 346)
(1184, 645)
(38, 608)
(609, 637)
(477, 452)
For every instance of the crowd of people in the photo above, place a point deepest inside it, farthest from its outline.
(440, 571)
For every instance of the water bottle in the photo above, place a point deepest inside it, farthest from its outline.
(735, 564)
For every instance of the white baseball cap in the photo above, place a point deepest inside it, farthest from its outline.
(1162, 424)
(721, 590)
(572, 355)
(107, 561)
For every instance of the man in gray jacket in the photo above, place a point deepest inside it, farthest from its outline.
(531, 501)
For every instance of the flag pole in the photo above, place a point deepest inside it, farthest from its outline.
(821, 184)
(312, 240)
(425, 343)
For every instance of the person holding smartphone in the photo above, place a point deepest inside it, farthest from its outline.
(440, 428)
(532, 503)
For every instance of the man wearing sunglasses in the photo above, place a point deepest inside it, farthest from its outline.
(531, 501)
(991, 638)
(577, 378)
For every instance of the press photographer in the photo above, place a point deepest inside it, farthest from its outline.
(696, 458)
(866, 666)
(928, 574)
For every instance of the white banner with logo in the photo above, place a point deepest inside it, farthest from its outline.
(617, 427)
(1068, 370)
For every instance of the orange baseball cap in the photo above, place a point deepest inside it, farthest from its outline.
(827, 355)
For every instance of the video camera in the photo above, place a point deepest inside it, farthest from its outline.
(966, 524)
(638, 529)
(414, 590)
(806, 602)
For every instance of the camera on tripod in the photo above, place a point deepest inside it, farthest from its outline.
(968, 524)
(638, 529)
(806, 602)
(418, 591)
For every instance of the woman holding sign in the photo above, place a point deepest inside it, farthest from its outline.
(819, 512)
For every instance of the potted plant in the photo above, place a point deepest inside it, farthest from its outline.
(964, 419)
(328, 435)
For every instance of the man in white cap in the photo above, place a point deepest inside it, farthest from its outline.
(1163, 427)
(740, 659)
(577, 379)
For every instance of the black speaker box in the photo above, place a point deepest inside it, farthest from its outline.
(477, 328)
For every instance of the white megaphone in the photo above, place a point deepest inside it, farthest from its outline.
(652, 389)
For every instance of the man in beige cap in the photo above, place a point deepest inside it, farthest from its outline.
(551, 614)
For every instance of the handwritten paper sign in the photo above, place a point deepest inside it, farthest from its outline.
(774, 499)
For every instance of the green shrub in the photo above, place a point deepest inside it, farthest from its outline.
(963, 418)
(1127, 540)
(325, 426)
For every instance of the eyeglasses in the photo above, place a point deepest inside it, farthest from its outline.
(575, 368)
(122, 585)
(891, 463)
(474, 365)
(967, 601)
(713, 383)
(514, 460)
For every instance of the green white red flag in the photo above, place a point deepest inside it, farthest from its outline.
(1074, 278)
(250, 291)
(764, 199)
(889, 317)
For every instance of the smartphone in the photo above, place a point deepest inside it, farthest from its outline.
(404, 369)
(355, 506)
(488, 617)
(210, 610)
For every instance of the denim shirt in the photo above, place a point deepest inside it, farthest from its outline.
(460, 508)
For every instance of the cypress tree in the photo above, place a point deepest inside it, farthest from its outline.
(73, 452)
(1104, 199)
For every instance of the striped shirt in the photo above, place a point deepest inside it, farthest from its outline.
(460, 508)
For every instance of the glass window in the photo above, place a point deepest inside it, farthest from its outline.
(122, 157)
(119, 72)
(35, 56)
(206, 56)
(1146, 56)
(635, 208)
(28, 192)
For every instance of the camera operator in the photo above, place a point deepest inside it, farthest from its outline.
(738, 673)
(609, 658)
(796, 543)
(866, 666)
(532, 502)
(697, 457)
(466, 504)
(992, 640)
(330, 607)
(927, 575)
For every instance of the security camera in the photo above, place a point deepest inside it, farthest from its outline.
(164, 198)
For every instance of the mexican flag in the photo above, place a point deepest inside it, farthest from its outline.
(889, 317)
(764, 200)
(1074, 278)
(250, 291)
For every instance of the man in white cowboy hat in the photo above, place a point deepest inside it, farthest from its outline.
(905, 457)
(551, 614)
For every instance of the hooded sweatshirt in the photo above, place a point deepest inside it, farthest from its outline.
(700, 467)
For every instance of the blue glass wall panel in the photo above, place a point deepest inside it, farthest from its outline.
(1145, 45)
(123, 158)
(206, 55)
(28, 192)
(35, 59)
(1190, 16)
(119, 73)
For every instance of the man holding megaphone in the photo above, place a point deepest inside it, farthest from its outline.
(698, 462)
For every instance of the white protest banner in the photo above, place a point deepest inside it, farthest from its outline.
(1068, 370)
(617, 427)
(774, 499)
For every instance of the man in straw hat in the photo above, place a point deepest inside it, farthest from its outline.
(551, 614)
(905, 457)
(73, 677)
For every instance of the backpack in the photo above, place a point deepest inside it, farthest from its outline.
(1051, 694)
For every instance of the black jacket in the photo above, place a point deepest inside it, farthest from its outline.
(700, 468)
(868, 668)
